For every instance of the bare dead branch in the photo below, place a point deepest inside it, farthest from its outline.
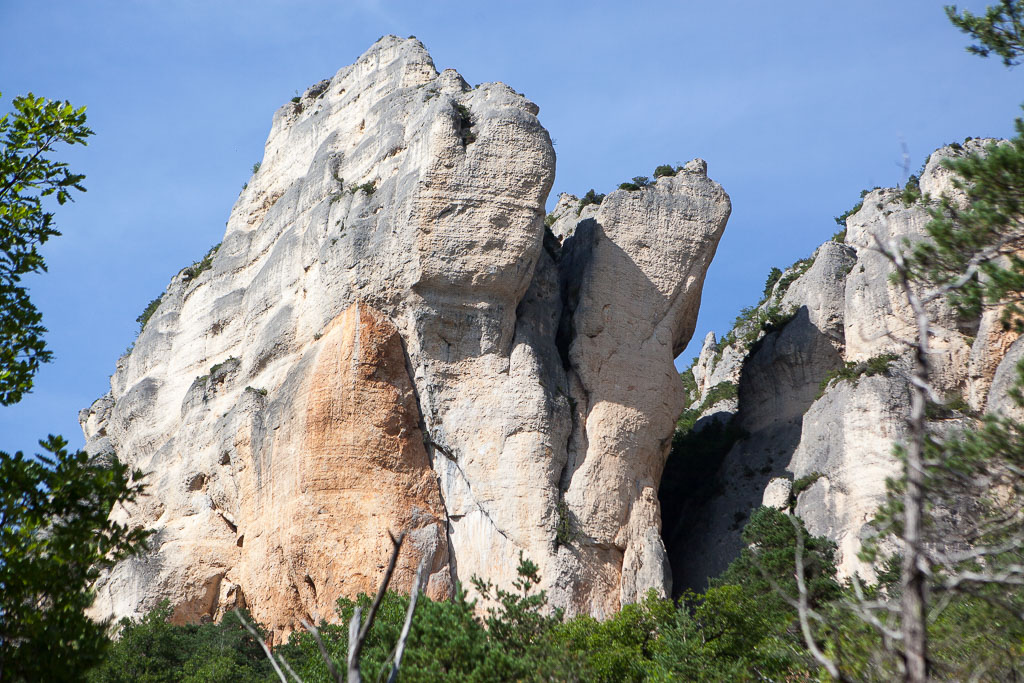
(803, 609)
(414, 595)
(356, 635)
(289, 669)
(353, 637)
(313, 631)
(266, 650)
(865, 610)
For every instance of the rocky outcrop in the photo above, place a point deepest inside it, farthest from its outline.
(820, 368)
(389, 339)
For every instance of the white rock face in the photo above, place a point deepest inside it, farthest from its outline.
(838, 439)
(388, 339)
(776, 494)
(846, 449)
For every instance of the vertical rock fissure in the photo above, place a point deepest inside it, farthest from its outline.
(430, 447)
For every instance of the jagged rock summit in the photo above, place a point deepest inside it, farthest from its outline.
(388, 338)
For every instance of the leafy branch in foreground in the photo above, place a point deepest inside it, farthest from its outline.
(1000, 31)
(27, 175)
(56, 536)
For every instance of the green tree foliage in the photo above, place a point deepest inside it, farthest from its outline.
(55, 537)
(155, 651)
(742, 628)
(731, 632)
(591, 197)
(773, 276)
(958, 508)
(513, 642)
(999, 31)
(55, 531)
(27, 176)
(638, 183)
(666, 170)
(968, 240)
(767, 561)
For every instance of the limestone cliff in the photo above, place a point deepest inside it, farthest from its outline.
(816, 381)
(388, 338)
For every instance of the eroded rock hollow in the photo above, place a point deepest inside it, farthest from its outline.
(389, 339)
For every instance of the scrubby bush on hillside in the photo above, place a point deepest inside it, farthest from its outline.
(665, 170)
(589, 198)
(154, 651)
(639, 182)
(148, 312)
(203, 264)
(853, 371)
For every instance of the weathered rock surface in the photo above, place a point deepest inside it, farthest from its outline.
(833, 441)
(388, 339)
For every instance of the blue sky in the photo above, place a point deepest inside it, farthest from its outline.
(796, 106)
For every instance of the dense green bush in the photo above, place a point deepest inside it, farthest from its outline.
(154, 651)
(148, 312)
(742, 628)
(792, 274)
(719, 392)
(665, 170)
(802, 484)
(589, 198)
(773, 276)
(639, 182)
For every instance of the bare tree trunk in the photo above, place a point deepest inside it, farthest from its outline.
(913, 581)
(357, 636)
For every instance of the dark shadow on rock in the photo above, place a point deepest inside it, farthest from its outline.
(716, 476)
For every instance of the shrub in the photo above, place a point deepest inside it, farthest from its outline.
(689, 382)
(367, 188)
(793, 273)
(154, 650)
(841, 220)
(639, 182)
(753, 320)
(911, 191)
(802, 484)
(774, 318)
(203, 264)
(589, 198)
(261, 392)
(719, 392)
(773, 276)
(854, 371)
(223, 364)
(148, 312)
(564, 532)
(466, 123)
(955, 405)
(256, 167)
(664, 170)
(549, 220)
